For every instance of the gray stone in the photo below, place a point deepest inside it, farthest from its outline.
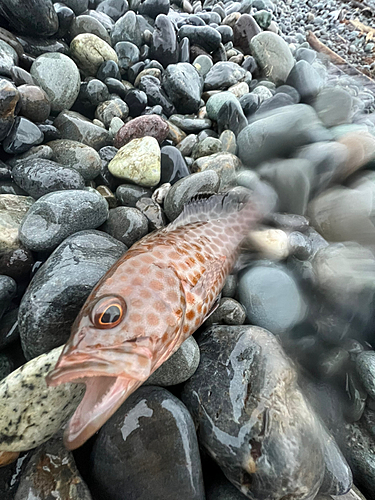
(225, 165)
(60, 287)
(203, 64)
(8, 289)
(223, 75)
(126, 224)
(13, 208)
(30, 412)
(209, 146)
(183, 85)
(179, 367)
(59, 77)
(215, 102)
(365, 365)
(271, 298)
(8, 58)
(306, 80)
(88, 24)
(108, 110)
(334, 106)
(77, 127)
(183, 190)
(128, 29)
(129, 194)
(229, 312)
(57, 215)
(73, 154)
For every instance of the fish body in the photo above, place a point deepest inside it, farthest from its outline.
(147, 304)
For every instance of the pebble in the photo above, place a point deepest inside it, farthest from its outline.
(13, 208)
(31, 413)
(9, 97)
(39, 177)
(306, 80)
(44, 24)
(138, 161)
(8, 289)
(129, 194)
(225, 165)
(9, 328)
(184, 86)
(90, 52)
(222, 75)
(151, 125)
(333, 106)
(365, 365)
(151, 411)
(229, 312)
(153, 211)
(23, 135)
(107, 110)
(126, 224)
(59, 77)
(173, 165)
(215, 103)
(60, 288)
(204, 36)
(164, 41)
(8, 58)
(55, 216)
(76, 127)
(88, 24)
(179, 367)
(244, 31)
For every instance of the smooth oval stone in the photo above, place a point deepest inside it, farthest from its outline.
(179, 367)
(229, 312)
(204, 36)
(189, 123)
(183, 85)
(12, 210)
(35, 47)
(173, 165)
(128, 54)
(215, 102)
(116, 87)
(129, 194)
(334, 106)
(207, 147)
(306, 80)
(107, 110)
(23, 135)
(35, 104)
(153, 8)
(187, 144)
(138, 162)
(151, 86)
(126, 224)
(77, 127)
(113, 8)
(271, 298)
(225, 165)
(280, 132)
(277, 101)
(228, 141)
(59, 77)
(88, 24)
(222, 75)
(37, 152)
(243, 386)
(60, 287)
(31, 413)
(51, 471)
(39, 177)
(250, 103)
(244, 31)
(90, 52)
(273, 56)
(9, 97)
(129, 28)
(108, 69)
(65, 16)
(57, 215)
(136, 101)
(185, 189)
(142, 126)
(203, 64)
(84, 159)
(18, 14)
(8, 58)
(162, 466)
(184, 51)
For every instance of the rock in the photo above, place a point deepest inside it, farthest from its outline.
(31, 413)
(51, 471)
(273, 56)
(189, 123)
(60, 287)
(333, 106)
(8, 58)
(9, 97)
(152, 210)
(151, 86)
(12, 210)
(129, 28)
(35, 104)
(57, 215)
(203, 64)
(9, 328)
(187, 144)
(222, 489)
(225, 165)
(8, 289)
(306, 80)
(231, 117)
(93, 92)
(129, 194)
(237, 419)
(59, 77)
(263, 18)
(204, 36)
(39, 177)
(16, 263)
(365, 365)
(179, 367)
(164, 41)
(153, 8)
(183, 85)
(78, 156)
(185, 189)
(90, 52)
(271, 298)
(270, 243)
(88, 24)
(244, 31)
(18, 15)
(126, 224)
(250, 103)
(23, 135)
(207, 147)
(136, 101)
(138, 162)
(151, 125)
(222, 75)
(360, 148)
(77, 127)
(173, 165)
(215, 103)
(108, 110)
(280, 132)
(128, 55)
(172, 461)
(229, 312)
(113, 8)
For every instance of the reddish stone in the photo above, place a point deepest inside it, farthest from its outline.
(147, 125)
(243, 31)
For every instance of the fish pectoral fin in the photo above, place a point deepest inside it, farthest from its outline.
(215, 305)
(208, 279)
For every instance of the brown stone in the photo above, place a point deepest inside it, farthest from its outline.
(35, 103)
(147, 125)
(9, 97)
(243, 31)
(361, 150)
(8, 457)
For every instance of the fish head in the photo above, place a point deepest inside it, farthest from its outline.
(116, 343)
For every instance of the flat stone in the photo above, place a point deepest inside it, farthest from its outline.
(90, 52)
(77, 127)
(78, 156)
(138, 162)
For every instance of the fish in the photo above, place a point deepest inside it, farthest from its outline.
(151, 300)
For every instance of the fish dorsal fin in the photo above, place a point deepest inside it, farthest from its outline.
(205, 206)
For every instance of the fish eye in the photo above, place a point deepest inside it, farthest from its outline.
(108, 312)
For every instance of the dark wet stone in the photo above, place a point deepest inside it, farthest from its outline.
(35, 104)
(249, 103)
(189, 123)
(151, 125)
(128, 54)
(76, 127)
(222, 75)
(21, 76)
(9, 328)
(250, 65)
(9, 97)
(151, 86)
(136, 101)
(61, 286)
(5, 171)
(105, 20)
(129, 194)
(134, 70)
(16, 263)
(231, 117)
(187, 144)
(93, 93)
(164, 41)
(6, 365)
(37, 152)
(306, 80)
(277, 101)
(229, 312)
(10, 39)
(221, 489)
(39, 177)
(65, 16)
(8, 290)
(183, 85)
(129, 28)
(8, 58)
(126, 224)
(23, 135)
(78, 6)
(243, 31)
(153, 212)
(113, 8)
(115, 87)
(36, 46)
(88, 24)
(107, 195)
(51, 472)
(18, 15)
(230, 286)
(185, 189)
(108, 69)
(204, 36)
(226, 33)
(10, 477)
(153, 8)
(236, 421)
(162, 466)
(173, 165)
(184, 50)
(334, 106)
(365, 365)
(58, 215)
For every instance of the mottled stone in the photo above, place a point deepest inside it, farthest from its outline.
(12, 210)
(107, 110)
(183, 85)
(225, 165)
(9, 97)
(77, 127)
(8, 58)
(35, 104)
(126, 224)
(129, 194)
(8, 290)
(153, 211)
(90, 52)
(151, 125)
(73, 154)
(223, 75)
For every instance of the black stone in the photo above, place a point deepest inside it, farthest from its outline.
(113, 8)
(222, 75)
(157, 425)
(65, 16)
(226, 33)
(231, 117)
(126, 224)
(35, 47)
(8, 290)
(136, 101)
(5, 172)
(250, 64)
(249, 103)
(9, 332)
(306, 80)
(93, 93)
(153, 212)
(205, 36)
(128, 54)
(23, 135)
(173, 165)
(18, 14)
(183, 85)
(151, 86)
(50, 132)
(114, 86)
(129, 194)
(153, 8)
(108, 69)
(164, 41)
(134, 71)
(21, 76)
(16, 263)
(277, 101)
